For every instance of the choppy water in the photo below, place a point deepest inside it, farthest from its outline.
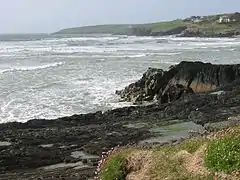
(48, 77)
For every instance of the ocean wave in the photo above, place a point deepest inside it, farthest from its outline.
(168, 53)
(103, 57)
(48, 85)
(127, 56)
(136, 56)
(81, 43)
(31, 68)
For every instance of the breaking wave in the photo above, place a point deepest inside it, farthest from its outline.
(31, 68)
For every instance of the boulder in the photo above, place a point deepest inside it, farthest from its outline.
(186, 77)
(144, 89)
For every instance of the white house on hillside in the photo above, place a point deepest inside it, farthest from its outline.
(224, 19)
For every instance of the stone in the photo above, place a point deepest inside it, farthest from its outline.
(184, 78)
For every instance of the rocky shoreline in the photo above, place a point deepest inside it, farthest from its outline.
(70, 147)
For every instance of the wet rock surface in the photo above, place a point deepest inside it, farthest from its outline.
(38, 144)
(70, 147)
(186, 77)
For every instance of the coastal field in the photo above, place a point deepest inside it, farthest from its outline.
(122, 29)
(195, 26)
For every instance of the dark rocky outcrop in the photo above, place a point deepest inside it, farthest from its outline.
(189, 32)
(186, 77)
(141, 31)
(193, 33)
(174, 31)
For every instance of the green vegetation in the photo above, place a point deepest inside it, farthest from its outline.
(223, 154)
(207, 26)
(203, 158)
(115, 168)
(124, 29)
(99, 29)
(170, 161)
(164, 26)
(191, 145)
(211, 28)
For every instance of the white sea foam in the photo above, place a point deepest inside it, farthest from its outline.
(168, 53)
(95, 68)
(135, 56)
(31, 68)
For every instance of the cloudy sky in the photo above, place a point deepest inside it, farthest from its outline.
(24, 16)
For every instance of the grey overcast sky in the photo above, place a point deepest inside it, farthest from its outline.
(25, 16)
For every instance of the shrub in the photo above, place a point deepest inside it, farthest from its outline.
(223, 155)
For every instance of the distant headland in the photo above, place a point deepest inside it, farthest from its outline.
(220, 25)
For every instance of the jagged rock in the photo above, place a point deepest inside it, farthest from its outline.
(145, 88)
(174, 31)
(191, 32)
(186, 77)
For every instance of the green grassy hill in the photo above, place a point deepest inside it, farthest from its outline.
(205, 26)
(122, 28)
(99, 29)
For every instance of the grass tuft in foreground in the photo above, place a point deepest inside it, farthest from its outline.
(223, 155)
(215, 156)
(115, 168)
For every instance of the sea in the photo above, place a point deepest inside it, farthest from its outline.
(50, 76)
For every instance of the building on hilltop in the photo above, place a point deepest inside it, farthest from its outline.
(224, 19)
(229, 18)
